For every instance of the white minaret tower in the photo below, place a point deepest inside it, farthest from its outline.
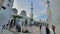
(48, 11)
(31, 13)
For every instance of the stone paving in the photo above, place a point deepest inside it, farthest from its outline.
(33, 30)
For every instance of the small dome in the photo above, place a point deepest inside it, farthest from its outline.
(15, 10)
(23, 13)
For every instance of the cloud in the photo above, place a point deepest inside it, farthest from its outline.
(17, 6)
(38, 6)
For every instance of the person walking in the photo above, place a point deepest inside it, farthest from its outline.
(54, 28)
(18, 28)
(40, 26)
(47, 30)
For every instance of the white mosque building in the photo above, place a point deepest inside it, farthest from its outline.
(6, 13)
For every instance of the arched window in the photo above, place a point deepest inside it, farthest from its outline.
(3, 7)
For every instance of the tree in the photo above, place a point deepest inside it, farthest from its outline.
(37, 23)
(31, 19)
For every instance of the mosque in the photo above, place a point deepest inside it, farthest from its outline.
(7, 13)
(7, 10)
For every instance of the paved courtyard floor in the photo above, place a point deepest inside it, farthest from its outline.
(33, 30)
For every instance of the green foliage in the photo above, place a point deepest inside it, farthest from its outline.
(31, 19)
(17, 16)
(37, 23)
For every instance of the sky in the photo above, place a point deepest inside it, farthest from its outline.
(39, 8)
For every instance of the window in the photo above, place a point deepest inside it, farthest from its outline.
(3, 7)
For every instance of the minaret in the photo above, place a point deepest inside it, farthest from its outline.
(48, 10)
(31, 13)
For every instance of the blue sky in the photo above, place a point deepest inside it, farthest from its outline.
(38, 5)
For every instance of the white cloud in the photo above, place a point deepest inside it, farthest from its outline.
(38, 7)
(18, 7)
